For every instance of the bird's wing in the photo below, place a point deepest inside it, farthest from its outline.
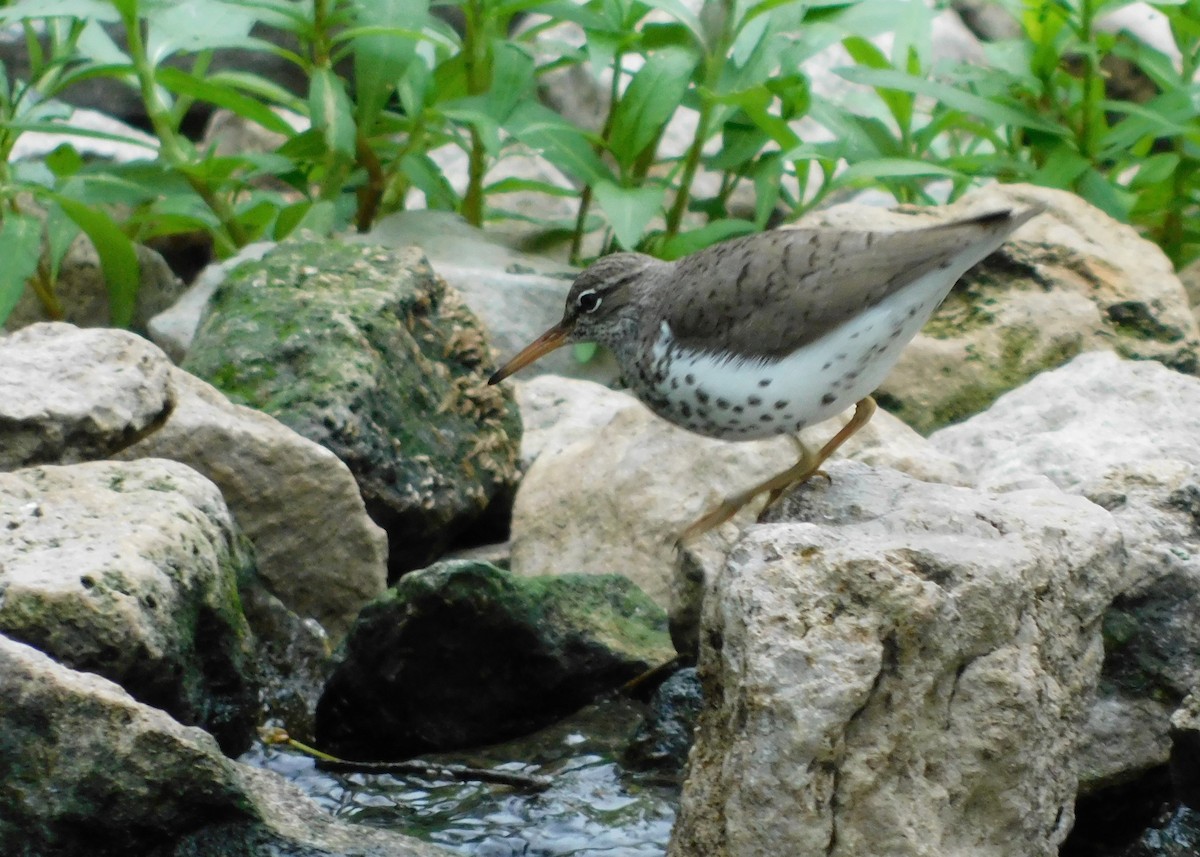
(766, 295)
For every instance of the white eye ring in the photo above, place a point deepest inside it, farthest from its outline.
(589, 301)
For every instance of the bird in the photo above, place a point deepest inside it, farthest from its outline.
(773, 332)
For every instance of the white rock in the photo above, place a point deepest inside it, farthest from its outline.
(903, 671)
(1122, 433)
(69, 395)
(315, 546)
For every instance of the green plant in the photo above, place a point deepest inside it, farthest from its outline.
(1037, 111)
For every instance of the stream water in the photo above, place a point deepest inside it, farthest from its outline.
(595, 808)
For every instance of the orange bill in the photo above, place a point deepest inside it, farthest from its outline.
(555, 337)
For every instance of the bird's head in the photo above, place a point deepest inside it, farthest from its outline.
(601, 299)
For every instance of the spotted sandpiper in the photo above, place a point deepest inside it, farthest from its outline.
(770, 333)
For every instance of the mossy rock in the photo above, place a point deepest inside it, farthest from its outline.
(368, 353)
(463, 653)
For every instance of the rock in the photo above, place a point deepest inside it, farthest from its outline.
(86, 771)
(663, 739)
(899, 668)
(137, 145)
(1185, 750)
(1069, 281)
(612, 485)
(1123, 434)
(521, 654)
(1190, 277)
(369, 354)
(70, 395)
(315, 545)
(82, 290)
(516, 295)
(1175, 835)
(130, 570)
(174, 328)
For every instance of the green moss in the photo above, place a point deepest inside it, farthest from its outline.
(1020, 359)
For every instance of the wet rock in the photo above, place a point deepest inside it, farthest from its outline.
(369, 354)
(131, 570)
(69, 395)
(1176, 835)
(663, 739)
(902, 668)
(462, 653)
(87, 771)
(1123, 434)
(1069, 281)
(1185, 751)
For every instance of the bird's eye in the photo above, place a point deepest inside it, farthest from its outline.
(588, 301)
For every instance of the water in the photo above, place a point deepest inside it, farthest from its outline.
(593, 809)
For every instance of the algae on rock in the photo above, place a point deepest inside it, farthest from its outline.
(368, 353)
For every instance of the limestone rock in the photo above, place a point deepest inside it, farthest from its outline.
(316, 548)
(369, 354)
(70, 395)
(87, 771)
(899, 668)
(1069, 281)
(611, 485)
(1123, 434)
(462, 653)
(130, 570)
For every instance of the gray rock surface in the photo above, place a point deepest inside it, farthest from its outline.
(69, 395)
(1123, 434)
(131, 570)
(87, 771)
(316, 548)
(610, 486)
(899, 668)
(1069, 281)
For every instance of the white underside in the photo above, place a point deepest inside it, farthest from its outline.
(846, 364)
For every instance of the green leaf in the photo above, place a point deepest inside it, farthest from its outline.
(222, 95)
(428, 177)
(318, 217)
(118, 259)
(628, 209)
(512, 79)
(331, 111)
(891, 168)
(584, 351)
(649, 101)
(697, 239)
(380, 60)
(191, 26)
(950, 96)
(61, 231)
(768, 176)
(20, 248)
(558, 141)
(682, 14)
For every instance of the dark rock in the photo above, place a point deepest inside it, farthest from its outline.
(665, 736)
(366, 352)
(87, 771)
(1175, 835)
(1185, 751)
(463, 653)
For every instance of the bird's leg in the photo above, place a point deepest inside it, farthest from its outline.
(800, 472)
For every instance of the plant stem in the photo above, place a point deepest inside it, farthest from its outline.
(1087, 119)
(229, 236)
(475, 50)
